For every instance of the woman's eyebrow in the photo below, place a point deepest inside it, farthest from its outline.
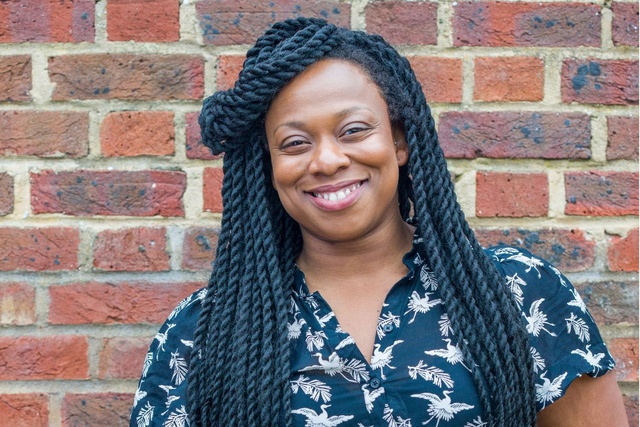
(339, 115)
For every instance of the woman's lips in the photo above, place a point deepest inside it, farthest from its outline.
(336, 197)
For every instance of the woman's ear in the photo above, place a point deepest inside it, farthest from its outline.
(401, 146)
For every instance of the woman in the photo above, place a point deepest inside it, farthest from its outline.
(348, 287)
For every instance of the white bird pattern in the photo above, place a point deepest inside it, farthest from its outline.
(442, 408)
(322, 419)
(549, 390)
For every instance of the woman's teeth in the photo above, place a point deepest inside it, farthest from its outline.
(338, 195)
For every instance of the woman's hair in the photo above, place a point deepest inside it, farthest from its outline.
(240, 366)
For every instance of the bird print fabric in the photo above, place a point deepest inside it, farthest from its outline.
(417, 374)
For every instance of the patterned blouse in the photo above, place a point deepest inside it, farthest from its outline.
(409, 381)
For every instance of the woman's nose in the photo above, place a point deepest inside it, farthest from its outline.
(328, 157)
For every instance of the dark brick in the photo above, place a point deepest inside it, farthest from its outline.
(38, 249)
(131, 249)
(568, 250)
(631, 405)
(127, 76)
(598, 81)
(401, 22)
(6, 194)
(195, 148)
(611, 302)
(622, 252)
(84, 193)
(601, 193)
(122, 357)
(622, 141)
(199, 248)
(515, 135)
(15, 77)
(625, 24)
(96, 410)
(232, 22)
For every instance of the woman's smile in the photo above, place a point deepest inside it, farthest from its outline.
(336, 197)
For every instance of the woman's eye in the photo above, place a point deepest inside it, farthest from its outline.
(296, 143)
(354, 130)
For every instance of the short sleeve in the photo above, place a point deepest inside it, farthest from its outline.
(161, 397)
(564, 340)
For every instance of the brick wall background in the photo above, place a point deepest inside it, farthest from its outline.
(109, 207)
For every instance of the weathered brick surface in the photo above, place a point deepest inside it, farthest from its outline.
(55, 357)
(229, 67)
(122, 357)
(6, 194)
(44, 133)
(625, 24)
(116, 303)
(611, 302)
(24, 410)
(195, 149)
(625, 353)
(511, 195)
(212, 189)
(38, 249)
(96, 410)
(631, 405)
(199, 248)
(131, 249)
(623, 252)
(403, 23)
(127, 76)
(17, 304)
(597, 81)
(622, 138)
(486, 23)
(82, 193)
(441, 78)
(601, 193)
(515, 135)
(143, 21)
(230, 22)
(138, 133)
(47, 21)
(508, 79)
(568, 250)
(15, 78)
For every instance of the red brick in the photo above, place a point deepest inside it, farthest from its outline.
(229, 67)
(199, 248)
(127, 76)
(44, 133)
(568, 250)
(131, 249)
(212, 189)
(511, 195)
(116, 303)
(122, 357)
(87, 192)
(38, 249)
(138, 133)
(526, 24)
(625, 353)
(15, 77)
(601, 193)
(47, 21)
(631, 405)
(597, 81)
(403, 23)
(6, 194)
(24, 410)
(232, 22)
(143, 21)
(195, 148)
(611, 302)
(97, 410)
(441, 78)
(508, 79)
(622, 138)
(17, 304)
(54, 357)
(623, 252)
(625, 24)
(515, 135)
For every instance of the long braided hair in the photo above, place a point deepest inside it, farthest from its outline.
(240, 368)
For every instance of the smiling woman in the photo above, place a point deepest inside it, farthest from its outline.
(348, 287)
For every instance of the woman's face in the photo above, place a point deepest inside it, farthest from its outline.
(335, 164)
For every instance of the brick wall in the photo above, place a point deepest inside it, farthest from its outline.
(109, 206)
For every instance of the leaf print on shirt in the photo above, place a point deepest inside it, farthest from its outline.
(145, 415)
(420, 305)
(431, 373)
(385, 320)
(452, 354)
(477, 422)
(428, 279)
(442, 408)
(354, 369)
(315, 340)
(394, 422)
(161, 337)
(322, 419)
(549, 390)
(579, 327)
(592, 359)
(537, 320)
(148, 359)
(370, 396)
(178, 418)
(315, 389)
(382, 359)
(445, 325)
(515, 284)
(179, 366)
(140, 394)
(577, 301)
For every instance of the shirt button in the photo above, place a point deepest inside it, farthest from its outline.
(374, 383)
(388, 327)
